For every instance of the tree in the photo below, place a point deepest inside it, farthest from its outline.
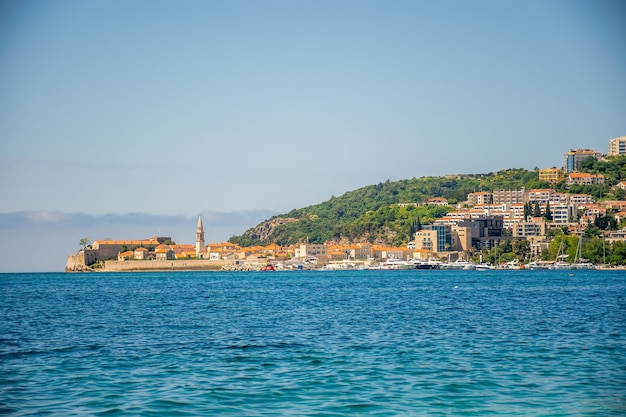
(528, 211)
(548, 214)
(607, 222)
(84, 242)
(618, 253)
(537, 210)
(521, 247)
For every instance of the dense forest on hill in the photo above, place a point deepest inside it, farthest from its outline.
(375, 214)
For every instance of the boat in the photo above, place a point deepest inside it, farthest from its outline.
(581, 263)
(560, 259)
(561, 265)
(514, 264)
(458, 264)
(538, 265)
(395, 263)
(268, 267)
(484, 267)
(423, 264)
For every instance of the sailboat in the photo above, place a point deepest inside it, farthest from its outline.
(560, 258)
(537, 264)
(581, 263)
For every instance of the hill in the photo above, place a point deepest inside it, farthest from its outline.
(372, 213)
(390, 212)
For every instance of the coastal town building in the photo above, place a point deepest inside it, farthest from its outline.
(124, 256)
(578, 199)
(485, 231)
(613, 205)
(389, 252)
(164, 253)
(551, 175)
(562, 213)
(426, 240)
(349, 252)
(581, 178)
(545, 195)
(617, 146)
(590, 212)
(535, 226)
(461, 237)
(574, 158)
(437, 201)
(480, 197)
(109, 249)
(510, 196)
(310, 250)
(141, 253)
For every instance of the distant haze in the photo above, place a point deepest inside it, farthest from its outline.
(41, 241)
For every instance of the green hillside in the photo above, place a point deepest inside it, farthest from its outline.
(373, 214)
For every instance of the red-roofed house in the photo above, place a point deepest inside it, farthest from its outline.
(583, 178)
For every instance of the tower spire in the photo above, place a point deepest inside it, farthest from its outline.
(199, 237)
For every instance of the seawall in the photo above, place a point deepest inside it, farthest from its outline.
(163, 265)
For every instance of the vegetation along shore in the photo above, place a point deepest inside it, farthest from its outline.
(553, 218)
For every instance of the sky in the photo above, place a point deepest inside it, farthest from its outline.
(163, 110)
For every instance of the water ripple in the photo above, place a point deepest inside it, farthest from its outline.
(310, 344)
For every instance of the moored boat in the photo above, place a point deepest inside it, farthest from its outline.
(395, 263)
(425, 264)
(458, 264)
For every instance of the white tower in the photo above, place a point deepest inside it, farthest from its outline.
(199, 237)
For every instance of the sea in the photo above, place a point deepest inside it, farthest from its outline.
(314, 343)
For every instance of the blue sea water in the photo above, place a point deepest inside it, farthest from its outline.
(310, 343)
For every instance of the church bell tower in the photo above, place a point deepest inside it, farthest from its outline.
(199, 238)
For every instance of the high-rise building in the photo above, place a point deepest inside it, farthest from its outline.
(617, 146)
(574, 159)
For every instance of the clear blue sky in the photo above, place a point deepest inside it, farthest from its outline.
(177, 107)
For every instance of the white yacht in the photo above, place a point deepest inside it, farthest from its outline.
(458, 264)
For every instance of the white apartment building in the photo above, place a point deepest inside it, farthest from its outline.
(488, 208)
(510, 196)
(562, 212)
(481, 197)
(592, 211)
(545, 195)
(517, 211)
(457, 215)
(617, 146)
(306, 250)
(449, 220)
(579, 199)
(534, 227)
(426, 240)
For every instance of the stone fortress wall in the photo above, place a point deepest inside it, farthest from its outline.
(165, 265)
